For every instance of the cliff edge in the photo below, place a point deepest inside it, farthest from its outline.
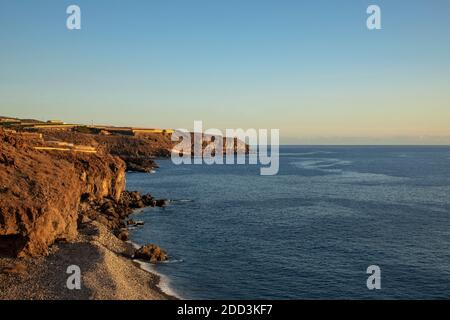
(40, 192)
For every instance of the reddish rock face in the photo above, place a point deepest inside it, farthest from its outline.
(137, 152)
(40, 193)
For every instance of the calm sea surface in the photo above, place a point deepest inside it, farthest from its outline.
(309, 232)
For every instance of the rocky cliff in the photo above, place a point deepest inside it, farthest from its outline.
(137, 152)
(40, 193)
(43, 192)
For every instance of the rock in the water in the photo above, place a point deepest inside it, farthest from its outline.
(151, 252)
(135, 200)
(139, 164)
(131, 222)
(147, 199)
(162, 202)
(123, 235)
(139, 204)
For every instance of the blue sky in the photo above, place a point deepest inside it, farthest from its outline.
(310, 68)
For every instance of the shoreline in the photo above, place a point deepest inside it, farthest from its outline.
(108, 268)
(73, 211)
(108, 271)
(164, 281)
(53, 191)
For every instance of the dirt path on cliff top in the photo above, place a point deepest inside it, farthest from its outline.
(107, 272)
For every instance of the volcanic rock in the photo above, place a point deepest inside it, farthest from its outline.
(41, 193)
(151, 252)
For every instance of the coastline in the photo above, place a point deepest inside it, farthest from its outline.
(64, 202)
(163, 282)
(73, 211)
(107, 271)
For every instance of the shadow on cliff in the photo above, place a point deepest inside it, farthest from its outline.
(11, 245)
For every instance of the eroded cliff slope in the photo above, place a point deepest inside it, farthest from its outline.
(40, 192)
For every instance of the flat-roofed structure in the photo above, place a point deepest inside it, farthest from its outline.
(56, 122)
(143, 131)
(9, 120)
(48, 126)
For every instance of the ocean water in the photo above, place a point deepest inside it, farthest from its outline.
(309, 232)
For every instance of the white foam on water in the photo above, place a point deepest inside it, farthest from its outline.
(353, 176)
(172, 261)
(324, 165)
(181, 201)
(312, 153)
(346, 176)
(135, 245)
(164, 281)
